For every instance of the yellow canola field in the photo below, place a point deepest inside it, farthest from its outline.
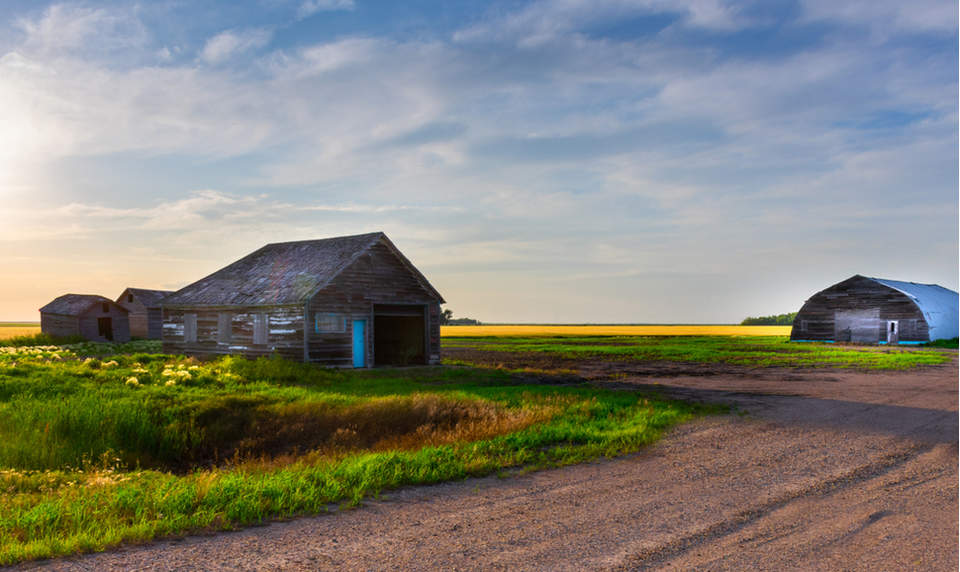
(533, 330)
(13, 331)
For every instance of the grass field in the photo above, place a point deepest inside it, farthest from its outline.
(95, 451)
(750, 351)
(650, 330)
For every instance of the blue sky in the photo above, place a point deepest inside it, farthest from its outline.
(567, 161)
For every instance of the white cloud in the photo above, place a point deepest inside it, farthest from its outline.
(77, 29)
(231, 43)
(887, 16)
(310, 7)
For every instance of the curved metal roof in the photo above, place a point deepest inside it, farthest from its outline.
(938, 304)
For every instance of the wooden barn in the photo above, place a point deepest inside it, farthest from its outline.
(351, 301)
(146, 320)
(94, 317)
(875, 310)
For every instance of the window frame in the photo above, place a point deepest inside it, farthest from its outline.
(190, 327)
(224, 327)
(261, 328)
(341, 320)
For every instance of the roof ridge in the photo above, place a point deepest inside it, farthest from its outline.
(379, 232)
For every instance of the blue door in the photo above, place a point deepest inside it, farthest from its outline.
(359, 343)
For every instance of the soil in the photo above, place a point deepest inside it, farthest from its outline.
(821, 469)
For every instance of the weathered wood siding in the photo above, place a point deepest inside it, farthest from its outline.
(284, 331)
(60, 326)
(857, 310)
(137, 316)
(154, 323)
(376, 277)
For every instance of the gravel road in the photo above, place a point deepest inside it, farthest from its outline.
(819, 470)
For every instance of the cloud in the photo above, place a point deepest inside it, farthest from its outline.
(231, 43)
(79, 29)
(310, 7)
(886, 16)
(546, 20)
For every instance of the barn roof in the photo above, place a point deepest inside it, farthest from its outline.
(149, 298)
(938, 304)
(74, 304)
(285, 273)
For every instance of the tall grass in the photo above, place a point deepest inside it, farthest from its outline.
(98, 451)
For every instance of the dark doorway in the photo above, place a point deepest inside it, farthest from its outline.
(398, 334)
(105, 328)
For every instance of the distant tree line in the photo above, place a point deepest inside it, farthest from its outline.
(447, 319)
(778, 320)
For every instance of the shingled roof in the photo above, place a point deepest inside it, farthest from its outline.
(149, 298)
(74, 304)
(284, 273)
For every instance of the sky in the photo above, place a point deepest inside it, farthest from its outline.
(602, 161)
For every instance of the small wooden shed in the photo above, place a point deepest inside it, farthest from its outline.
(876, 310)
(93, 317)
(349, 301)
(146, 320)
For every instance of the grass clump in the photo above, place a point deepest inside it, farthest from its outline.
(750, 351)
(96, 450)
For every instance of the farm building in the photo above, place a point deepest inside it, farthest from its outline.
(94, 317)
(146, 320)
(351, 301)
(875, 310)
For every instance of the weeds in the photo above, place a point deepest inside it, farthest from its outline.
(89, 459)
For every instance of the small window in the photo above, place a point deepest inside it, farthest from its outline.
(129, 297)
(224, 327)
(803, 325)
(189, 328)
(260, 328)
(106, 308)
(329, 323)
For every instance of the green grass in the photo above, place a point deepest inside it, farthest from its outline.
(750, 351)
(96, 451)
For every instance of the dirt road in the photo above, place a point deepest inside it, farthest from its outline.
(825, 470)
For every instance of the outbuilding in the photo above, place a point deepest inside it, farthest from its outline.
(146, 320)
(93, 317)
(349, 301)
(876, 310)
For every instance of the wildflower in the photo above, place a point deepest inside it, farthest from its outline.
(111, 363)
(170, 383)
(133, 382)
(194, 367)
(139, 370)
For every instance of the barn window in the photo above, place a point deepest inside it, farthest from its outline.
(224, 327)
(189, 327)
(329, 323)
(803, 325)
(260, 328)
(129, 297)
(106, 308)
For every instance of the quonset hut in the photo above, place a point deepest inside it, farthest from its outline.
(875, 310)
(350, 301)
(146, 320)
(93, 317)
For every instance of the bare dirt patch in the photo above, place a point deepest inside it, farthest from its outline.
(816, 470)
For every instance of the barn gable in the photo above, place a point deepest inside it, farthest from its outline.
(144, 307)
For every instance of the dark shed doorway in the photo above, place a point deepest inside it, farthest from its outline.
(399, 334)
(105, 327)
